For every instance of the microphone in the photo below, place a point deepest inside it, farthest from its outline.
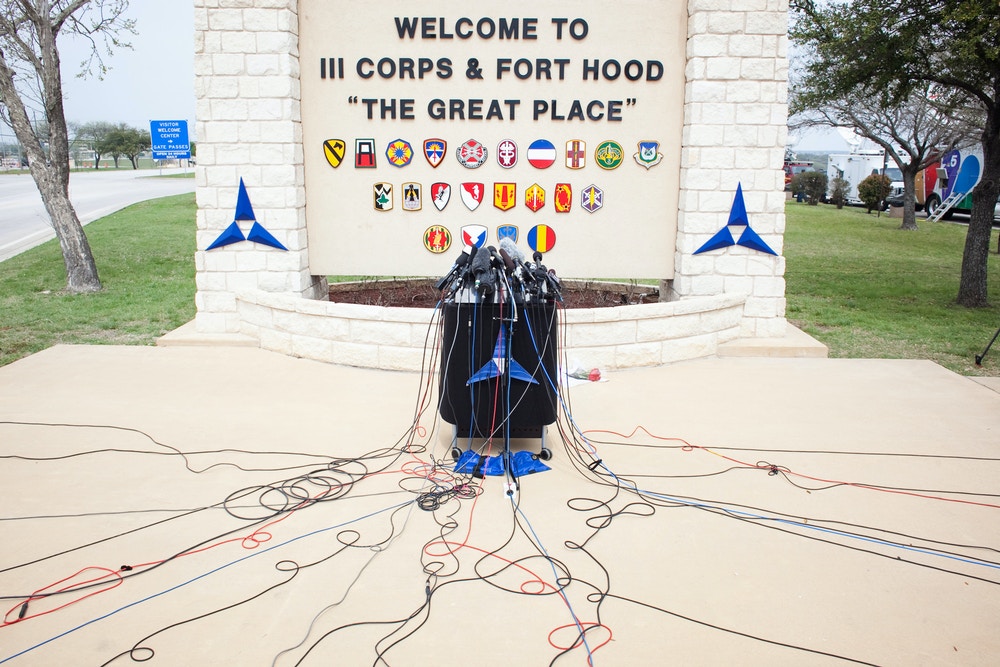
(482, 270)
(457, 268)
(508, 263)
(520, 271)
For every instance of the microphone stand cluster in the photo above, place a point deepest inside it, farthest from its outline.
(488, 275)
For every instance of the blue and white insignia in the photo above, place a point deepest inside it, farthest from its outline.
(648, 155)
(497, 366)
(412, 196)
(474, 235)
(507, 232)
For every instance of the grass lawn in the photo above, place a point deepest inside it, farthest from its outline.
(145, 259)
(854, 281)
(867, 289)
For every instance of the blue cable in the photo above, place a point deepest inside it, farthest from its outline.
(202, 576)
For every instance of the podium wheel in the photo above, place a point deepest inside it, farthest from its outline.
(545, 454)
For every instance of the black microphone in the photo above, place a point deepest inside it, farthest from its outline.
(482, 270)
(457, 268)
(508, 263)
(521, 272)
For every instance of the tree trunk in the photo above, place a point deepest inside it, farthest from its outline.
(909, 197)
(973, 284)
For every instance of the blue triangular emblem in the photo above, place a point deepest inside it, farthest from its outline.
(260, 235)
(750, 239)
(738, 213)
(722, 239)
(244, 211)
(495, 366)
(232, 234)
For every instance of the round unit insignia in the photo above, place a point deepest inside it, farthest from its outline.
(399, 152)
(541, 154)
(541, 238)
(507, 153)
(437, 239)
(609, 155)
(471, 154)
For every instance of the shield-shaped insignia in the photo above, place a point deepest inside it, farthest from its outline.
(472, 194)
(399, 152)
(411, 196)
(648, 155)
(609, 155)
(474, 235)
(593, 198)
(534, 197)
(563, 197)
(504, 196)
(507, 232)
(541, 238)
(576, 154)
(471, 154)
(383, 196)
(364, 153)
(334, 150)
(437, 239)
(434, 150)
(507, 153)
(440, 195)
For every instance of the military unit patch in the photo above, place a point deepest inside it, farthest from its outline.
(504, 196)
(648, 155)
(474, 235)
(411, 196)
(364, 153)
(541, 154)
(507, 232)
(609, 155)
(507, 153)
(563, 197)
(440, 195)
(534, 197)
(472, 194)
(434, 151)
(437, 239)
(541, 238)
(593, 198)
(399, 152)
(382, 194)
(334, 150)
(472, 154)
(576, 154)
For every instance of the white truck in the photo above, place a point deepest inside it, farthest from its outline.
(857, 166)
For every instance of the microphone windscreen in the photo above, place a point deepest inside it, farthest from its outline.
(512, 250)
(480, 264)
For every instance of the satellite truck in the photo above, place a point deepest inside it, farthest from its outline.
(855, 167)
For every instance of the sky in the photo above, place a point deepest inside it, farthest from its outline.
(152, 81)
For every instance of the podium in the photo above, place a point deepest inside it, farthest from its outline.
(499, 369)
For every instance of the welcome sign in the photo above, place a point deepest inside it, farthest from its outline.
(555, 124)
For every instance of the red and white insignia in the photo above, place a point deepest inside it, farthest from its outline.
(471, 154)
(434, 151)
(563, 197)
(364, 153)
(412, 197)
(474, 235)
(576, 154)
(507, 153)
(504, 195)
(534, 197)
(440, 195)
(472, 194)
(437, 239)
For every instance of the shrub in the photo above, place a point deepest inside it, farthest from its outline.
(838, 191)
(812, 184)
(873, 190)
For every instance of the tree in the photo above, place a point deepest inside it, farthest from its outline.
(838, 192)
(95, 136)
(810, 183)
(30, 78)
(873, 190)
(894, 47)
(913, 133)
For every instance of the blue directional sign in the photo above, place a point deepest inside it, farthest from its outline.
(169, 139)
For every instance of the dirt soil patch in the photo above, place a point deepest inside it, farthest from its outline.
(420, 293)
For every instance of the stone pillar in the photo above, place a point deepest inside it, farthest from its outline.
(248, 126)
(735, 127)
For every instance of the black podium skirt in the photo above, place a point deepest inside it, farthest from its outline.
(495, 361)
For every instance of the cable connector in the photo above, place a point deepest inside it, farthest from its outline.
(510, 488)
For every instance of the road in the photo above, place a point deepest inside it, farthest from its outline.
(25, 224)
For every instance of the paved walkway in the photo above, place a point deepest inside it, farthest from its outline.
(816, 510)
